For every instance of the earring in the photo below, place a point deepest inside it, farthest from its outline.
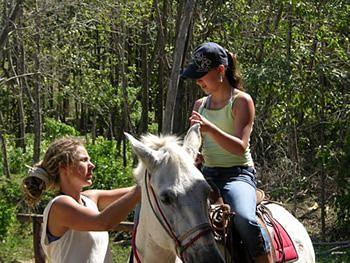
(221, 78)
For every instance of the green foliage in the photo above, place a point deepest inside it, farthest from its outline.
(54, 129)
(120, 252)
(18, 244)
(109, 171)
(342, 199)
(333, 254)
(7, 218)
(10, 195)
(17, 160)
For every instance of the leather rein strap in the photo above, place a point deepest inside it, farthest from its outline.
(195, 233)
(220, 216)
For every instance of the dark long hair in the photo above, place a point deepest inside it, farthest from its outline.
(233, 72)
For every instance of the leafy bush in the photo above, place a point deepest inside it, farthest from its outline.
(10, 195)
(7, 218)
(17, 160)
(18, 246)
(16, 157)
(54, 129)
(342, 199)
(109, 171)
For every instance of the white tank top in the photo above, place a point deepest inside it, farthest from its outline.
(76, 246)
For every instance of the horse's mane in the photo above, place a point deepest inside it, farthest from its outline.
(161, 141)
(167, 143)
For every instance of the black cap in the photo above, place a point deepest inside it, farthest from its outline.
(204, 58)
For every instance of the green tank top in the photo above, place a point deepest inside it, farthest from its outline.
(213, 154)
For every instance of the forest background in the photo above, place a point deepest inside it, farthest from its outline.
(97, 68)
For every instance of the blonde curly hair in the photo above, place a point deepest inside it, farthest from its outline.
(45, 174)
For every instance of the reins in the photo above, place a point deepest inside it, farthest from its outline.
(220, 216)
(180, 245)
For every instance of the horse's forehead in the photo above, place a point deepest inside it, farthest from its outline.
(173, 165)
(178, 172)
(173, 156)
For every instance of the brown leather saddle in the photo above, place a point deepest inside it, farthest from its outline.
(221, 218)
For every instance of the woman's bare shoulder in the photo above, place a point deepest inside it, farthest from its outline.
(242, 98)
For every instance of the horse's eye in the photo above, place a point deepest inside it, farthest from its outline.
(167, 197)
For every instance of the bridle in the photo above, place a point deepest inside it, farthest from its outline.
(191, 235)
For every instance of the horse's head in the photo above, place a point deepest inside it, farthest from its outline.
(174, 196)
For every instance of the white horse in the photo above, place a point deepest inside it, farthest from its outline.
(173, 224)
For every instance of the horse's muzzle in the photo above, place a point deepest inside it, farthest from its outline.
(204, 254)
(204, 257)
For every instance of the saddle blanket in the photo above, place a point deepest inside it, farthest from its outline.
(283, 244)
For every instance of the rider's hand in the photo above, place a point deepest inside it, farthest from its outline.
(205, 125)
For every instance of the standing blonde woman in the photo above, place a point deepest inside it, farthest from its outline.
(76, 222)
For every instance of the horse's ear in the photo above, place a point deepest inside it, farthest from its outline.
(148, 156)
(193, 140)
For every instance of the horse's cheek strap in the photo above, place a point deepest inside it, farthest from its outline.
(166, 227)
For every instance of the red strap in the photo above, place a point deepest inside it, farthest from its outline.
(133, 243)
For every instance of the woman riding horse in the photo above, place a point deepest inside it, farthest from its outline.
(226, 118)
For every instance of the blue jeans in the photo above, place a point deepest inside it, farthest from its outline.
(237, 186)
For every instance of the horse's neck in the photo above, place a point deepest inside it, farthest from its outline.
(150, 234)
(147, 249)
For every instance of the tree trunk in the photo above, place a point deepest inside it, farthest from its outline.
(9, 25)
(161, 40)
(277, 18)
(160, 94)
(76, 116)
(127, 125)
(187, 13)
(180, 110)
(93, 128)
(110, 132)
(265, 33)
(126, 110)
(83, 117)
(5, 163)
(17, 71)
(21, 80)
(323, 183)
(37, 90)
(21, 119)
(65, 110)
(117, 75)
(182, 106)
(145, 81)
(292, 132)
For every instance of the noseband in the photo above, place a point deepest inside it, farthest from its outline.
(192, 235)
